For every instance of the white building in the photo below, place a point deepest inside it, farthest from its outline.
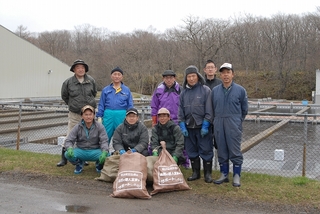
(27, 71)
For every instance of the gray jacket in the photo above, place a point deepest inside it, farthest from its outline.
(94, 138)
(135, 136)
(76, 94)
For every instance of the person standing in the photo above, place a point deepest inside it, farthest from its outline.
(195, 117)
(230, 107)
(211, 81)
(169, 132)
(115, 99)
(166, 96)
(91, 139)
(210, 70)
(77, 91)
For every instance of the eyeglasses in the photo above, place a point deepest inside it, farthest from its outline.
(208, 67)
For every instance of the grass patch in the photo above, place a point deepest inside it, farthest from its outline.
(256, 187)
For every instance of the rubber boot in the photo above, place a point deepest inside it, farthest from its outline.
(224, 169)
(207, 169)
(63, 160)
(236, 175)
(195, 164)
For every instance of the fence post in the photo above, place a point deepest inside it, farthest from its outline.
(142, 115)
(305, 144)
(19, 125)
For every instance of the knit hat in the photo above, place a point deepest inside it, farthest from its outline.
(117, 69)
(164, 111)
(79, 62)
(168, 73)
(191, 69)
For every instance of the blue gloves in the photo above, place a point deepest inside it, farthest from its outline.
(183, 129)
(122, 151)
(133, 150)
(204, 128)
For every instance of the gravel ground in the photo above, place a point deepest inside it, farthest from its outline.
(176, 202)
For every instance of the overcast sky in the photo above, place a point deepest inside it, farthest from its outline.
(129, 15)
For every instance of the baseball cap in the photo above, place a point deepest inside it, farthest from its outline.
(132, 110)
(227, 66)
(164, 111)
(84, 108)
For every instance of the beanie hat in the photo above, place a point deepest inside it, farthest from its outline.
(191, 69)
(79, 62)
(117, 69)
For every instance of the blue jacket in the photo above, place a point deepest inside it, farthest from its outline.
(195, 102)
(231, 102)
(109, 99)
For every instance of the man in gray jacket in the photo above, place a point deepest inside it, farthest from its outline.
(131, 135)
(77, 91)
(195, 118)
(92, 141)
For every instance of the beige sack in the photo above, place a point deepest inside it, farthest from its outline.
(110, 169)
(167, 175)
(150, 163)
(132, 176)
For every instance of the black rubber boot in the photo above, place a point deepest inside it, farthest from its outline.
(207, 169)
(64, 160)
(195, 164)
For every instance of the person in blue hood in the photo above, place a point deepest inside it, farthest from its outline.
(195, 118)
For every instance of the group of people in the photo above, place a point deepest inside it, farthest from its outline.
(192, 118)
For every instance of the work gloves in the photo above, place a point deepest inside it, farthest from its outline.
(205, 128)
(122, 151)
(154, 120)
(155, 152)
(103, 157)
(70, 152)
(175, 158)
(183, 129)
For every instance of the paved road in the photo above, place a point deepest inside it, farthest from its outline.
(25, 199)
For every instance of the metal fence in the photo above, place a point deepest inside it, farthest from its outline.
(278, 138)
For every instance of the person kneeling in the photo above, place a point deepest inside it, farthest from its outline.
(166, 130)
(87, 141)
(131, 135)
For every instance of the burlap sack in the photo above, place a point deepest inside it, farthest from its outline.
(150, 163)
(132, 176)
(110, 169)
(167, 175)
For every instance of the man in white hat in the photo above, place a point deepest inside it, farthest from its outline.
(230, 107)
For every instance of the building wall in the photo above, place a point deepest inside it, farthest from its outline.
(25, 69)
